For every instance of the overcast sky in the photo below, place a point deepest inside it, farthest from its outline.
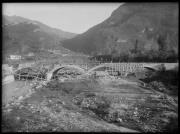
(71, 17)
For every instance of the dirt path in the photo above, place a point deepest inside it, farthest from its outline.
(8, 79)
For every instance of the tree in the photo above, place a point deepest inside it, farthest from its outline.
(171, 57)
(115, 53)
(162, 42)
(136, 46)
(124, 57)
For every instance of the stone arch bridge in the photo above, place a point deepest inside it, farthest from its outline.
(111, 67)
(120, 67)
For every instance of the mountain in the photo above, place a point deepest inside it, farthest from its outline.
(132, 30)
(17, 19)
(21, 35)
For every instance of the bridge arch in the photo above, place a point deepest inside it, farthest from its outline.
(56, 69)
(22, 68)
(155, 67)
(98, 67)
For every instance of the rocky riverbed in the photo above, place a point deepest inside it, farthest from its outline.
(90, 104)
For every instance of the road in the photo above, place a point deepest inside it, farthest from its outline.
(8, 79)
(14, 89)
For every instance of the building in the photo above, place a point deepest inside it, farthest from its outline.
(15, 57)
(30, 54)
(121, 41)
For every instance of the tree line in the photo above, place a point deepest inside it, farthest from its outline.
(164, 53)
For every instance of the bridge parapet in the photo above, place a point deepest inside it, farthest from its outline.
(121, 67)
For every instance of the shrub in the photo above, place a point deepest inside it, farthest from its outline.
(55, 86)
(99, 105)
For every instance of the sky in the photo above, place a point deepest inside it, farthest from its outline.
(70, 17)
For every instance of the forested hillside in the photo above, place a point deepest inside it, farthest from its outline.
(133, 32)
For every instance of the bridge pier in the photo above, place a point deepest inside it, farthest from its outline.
(49, 75)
